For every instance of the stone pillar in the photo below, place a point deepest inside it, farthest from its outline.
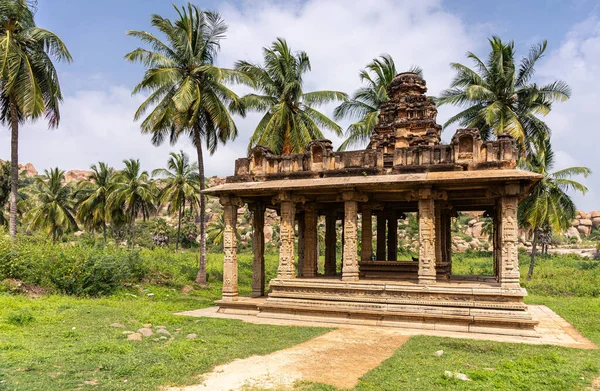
(427, 273)
(230, 261)
(330, 244)
(381, 236)
(350, 259)
(366, 240)
(392, 239)
(448, 246)
(301, 231)
(310, 243)
(508, 237)
(439, 240)
(258, 248)
(286, 238)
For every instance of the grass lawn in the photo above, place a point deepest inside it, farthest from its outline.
(66, 343)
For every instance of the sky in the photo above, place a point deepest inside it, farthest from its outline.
(340, 37)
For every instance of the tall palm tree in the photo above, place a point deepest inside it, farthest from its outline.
(216, 231)
(181, 186)
(133, 193)
(290, 121)
(94, 192)
(188, 92)
(499, 98)
(549, 206)
(365, 102)
(29, 86)
(55, 205)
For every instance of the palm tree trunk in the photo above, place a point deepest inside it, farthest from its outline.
(178, 229)
(104, 231)
(201, 277)
(533, 253)
(14, 167)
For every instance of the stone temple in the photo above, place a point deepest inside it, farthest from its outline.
(404, 169)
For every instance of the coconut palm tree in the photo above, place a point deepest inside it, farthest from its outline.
(499, 98)
(215, 231)
(29, 86)
(188, 92)
(181, 186)
(549, 206)
(365, 102)
(93, 194)
(55, 205)
(133, 193)
(290, 121)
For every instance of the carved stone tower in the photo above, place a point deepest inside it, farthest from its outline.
(408, 118)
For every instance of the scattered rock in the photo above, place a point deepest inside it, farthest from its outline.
(163, 331)
(456, 375)
(439, 353)
(127, 332)
(117, 325)
(160, 327)
(186, 289)
(147, 325)
(146, 332)
(192, 336)
(134, 337)
(150, 294)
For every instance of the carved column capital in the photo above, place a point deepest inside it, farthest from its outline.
(353, 195)
(231, 201)
(425, 193)
(288, 196)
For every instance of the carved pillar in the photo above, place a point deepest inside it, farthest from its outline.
(392, 239)
(258, 248)
(286, 237)
(330, 244)
(439, 240)
(350, 259)
(381, 236)
(301, 237)
(230, 261)
(508, 236)
(427, 273)
(366, 240)
(310, 243)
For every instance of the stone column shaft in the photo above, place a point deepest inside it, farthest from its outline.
(392, 239)
(286, 237)
(330, 244)
(366, 244)
(508, 237)
(310, 243)
(301, 245)
(258, 247)
(381, 239)
(230, 261)
(350, 260)
(427, 272)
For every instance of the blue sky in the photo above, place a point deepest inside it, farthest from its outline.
(340, 37)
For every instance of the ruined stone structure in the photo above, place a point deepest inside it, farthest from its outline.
(404, 169)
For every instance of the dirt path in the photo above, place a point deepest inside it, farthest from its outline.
(338, 358)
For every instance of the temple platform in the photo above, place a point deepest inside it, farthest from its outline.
(461, 305)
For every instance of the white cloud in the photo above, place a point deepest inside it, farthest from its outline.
(576, 136)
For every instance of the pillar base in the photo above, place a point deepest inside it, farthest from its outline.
(232, 296)
(427, 280)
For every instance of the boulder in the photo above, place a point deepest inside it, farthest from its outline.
(29, 170)
(586, 222)
(575, 223)
(134, 337)
(472, 222)
(77, 175)
(596, 221)
(594, 213)
(476, 230)
(584, 230)
(581, 215)
(146, 332)
(573, 232)
(268, 233)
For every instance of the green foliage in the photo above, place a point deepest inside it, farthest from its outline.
(499, 98)
(290, 120)
(20, 317)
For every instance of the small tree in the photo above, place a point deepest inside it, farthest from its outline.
(55, 209)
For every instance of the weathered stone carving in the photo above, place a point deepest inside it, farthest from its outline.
(426, 241)
(286, 267)
(230, 261)
(509, 254)
(310, 242)
(350, 262)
